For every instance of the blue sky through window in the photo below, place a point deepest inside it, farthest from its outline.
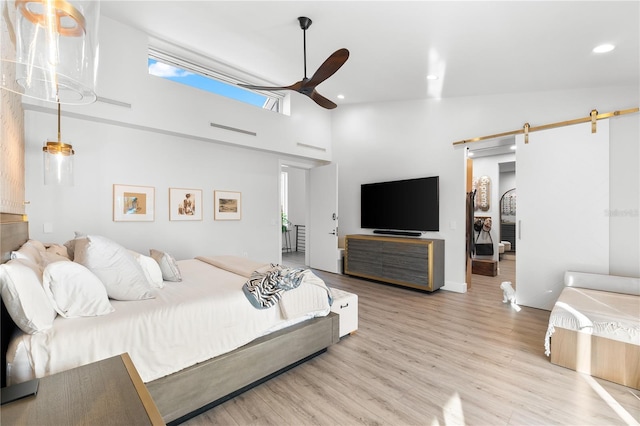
(199, 81)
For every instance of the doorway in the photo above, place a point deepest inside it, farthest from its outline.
(493, 176)
(293, 213)
(320, 224)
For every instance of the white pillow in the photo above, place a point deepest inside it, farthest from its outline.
(115, 266)
(51, 257)
(168, 265)
(150, 268)
(71, 244)
(74, 291)
(28, 251)
(24, 296)
(38, 245)
(59, 250)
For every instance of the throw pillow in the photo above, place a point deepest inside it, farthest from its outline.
(114, 266)
(24, 296)
(168, 265)
(74, 291)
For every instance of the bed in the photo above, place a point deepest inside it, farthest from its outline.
(188, 365)
(594, 327)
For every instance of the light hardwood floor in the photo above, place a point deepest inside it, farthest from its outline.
(433, 359)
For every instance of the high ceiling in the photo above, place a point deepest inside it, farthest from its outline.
(474, 48)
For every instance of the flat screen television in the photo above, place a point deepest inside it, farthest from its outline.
(402, 205)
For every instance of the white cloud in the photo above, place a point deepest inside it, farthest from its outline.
(163, 70)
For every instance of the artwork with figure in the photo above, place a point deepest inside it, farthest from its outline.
(135, 203)
(185, 204)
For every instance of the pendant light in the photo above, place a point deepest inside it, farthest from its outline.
(56, 50)
(58, 161)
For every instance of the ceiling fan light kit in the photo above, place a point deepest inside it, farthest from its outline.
(307, 86)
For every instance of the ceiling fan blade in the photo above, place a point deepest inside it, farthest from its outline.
(295, 86)
(328, 67)
(307, 86)
(321, 100)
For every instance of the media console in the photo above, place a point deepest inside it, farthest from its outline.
(409, 262)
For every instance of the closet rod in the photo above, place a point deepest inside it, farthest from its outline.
(528, 129)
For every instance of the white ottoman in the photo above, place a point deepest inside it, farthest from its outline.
(345, 304)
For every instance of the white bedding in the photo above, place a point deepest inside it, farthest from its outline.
(600, 313)
(188, 322)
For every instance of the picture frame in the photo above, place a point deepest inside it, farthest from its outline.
(133, 203)
(227, 205)
(185, 204)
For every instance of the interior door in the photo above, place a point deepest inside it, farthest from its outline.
(563, 197)
(322, 242)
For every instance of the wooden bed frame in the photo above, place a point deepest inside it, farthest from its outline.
(186, 393)
(597, 356)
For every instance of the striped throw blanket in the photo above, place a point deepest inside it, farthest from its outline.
(265, 289)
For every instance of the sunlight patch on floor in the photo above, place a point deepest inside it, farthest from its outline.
(610, 400)
(452, 412)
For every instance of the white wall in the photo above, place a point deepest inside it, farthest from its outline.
(108, 154)
(161, 104)
(396, 140)
(165, 140)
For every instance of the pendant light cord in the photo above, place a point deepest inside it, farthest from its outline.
(59, 134)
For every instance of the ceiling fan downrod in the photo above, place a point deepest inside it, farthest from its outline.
(305, 23)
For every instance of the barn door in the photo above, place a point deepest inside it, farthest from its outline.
(563, 197)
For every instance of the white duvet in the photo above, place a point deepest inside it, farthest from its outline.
(203, 316)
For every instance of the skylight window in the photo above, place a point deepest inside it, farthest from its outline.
(193, 75)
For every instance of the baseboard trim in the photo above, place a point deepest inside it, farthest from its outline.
(454, 287)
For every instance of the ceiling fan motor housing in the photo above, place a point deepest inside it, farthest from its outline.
(305, 22)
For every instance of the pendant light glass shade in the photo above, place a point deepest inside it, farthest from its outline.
(58, 161)
(56, 55)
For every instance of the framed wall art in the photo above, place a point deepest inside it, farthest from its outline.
(185, 204)
(227, 205)
(133, 203)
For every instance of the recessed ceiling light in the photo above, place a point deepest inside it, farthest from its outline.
(603, 48)
(432, 77)
(512, 147)
(340, 96)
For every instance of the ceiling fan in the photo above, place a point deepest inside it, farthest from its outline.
(307, 86)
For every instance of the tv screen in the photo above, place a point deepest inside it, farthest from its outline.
(404, 205)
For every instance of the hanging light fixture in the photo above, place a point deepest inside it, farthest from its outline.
(58, 161)
(56, 54)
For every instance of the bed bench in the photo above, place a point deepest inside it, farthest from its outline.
(594, 327)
